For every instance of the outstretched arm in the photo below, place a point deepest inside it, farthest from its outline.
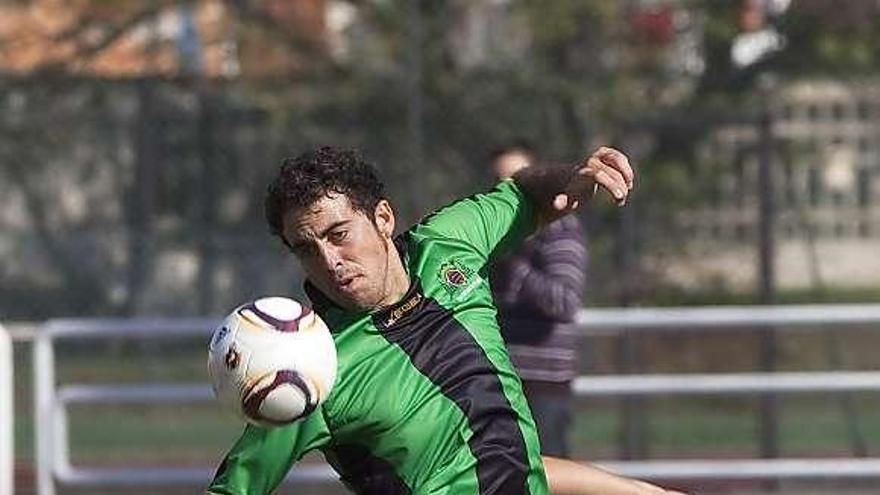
(571, 478)
(261, 457)
(558, 191)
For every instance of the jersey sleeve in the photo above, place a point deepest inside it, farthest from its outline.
(260, 459)
(491, 222)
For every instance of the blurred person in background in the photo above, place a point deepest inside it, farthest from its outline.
(538, 290)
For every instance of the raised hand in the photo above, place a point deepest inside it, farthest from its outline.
(607, 168)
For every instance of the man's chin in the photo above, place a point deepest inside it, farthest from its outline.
(353, 302)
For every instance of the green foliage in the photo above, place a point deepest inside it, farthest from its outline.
(586, 76)
(832, 38)
(559, 22)
(824, 38)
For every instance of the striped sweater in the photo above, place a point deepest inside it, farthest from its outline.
(538, 290)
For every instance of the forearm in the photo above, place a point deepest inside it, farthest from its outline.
(572, 478)
(557, 191)
(541, 185)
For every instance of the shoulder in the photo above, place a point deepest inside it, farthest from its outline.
(505, 192)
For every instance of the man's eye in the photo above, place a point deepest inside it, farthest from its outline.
(338, 236)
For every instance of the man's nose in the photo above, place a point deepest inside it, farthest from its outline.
(330, 256)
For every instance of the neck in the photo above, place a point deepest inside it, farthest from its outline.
(396, 278)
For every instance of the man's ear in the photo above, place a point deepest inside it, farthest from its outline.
(384, 218)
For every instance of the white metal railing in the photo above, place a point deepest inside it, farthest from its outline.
(51, 402)
(726, 383)
(7, 437)
(601, 320)
(749, 469)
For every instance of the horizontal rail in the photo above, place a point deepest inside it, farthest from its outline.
(140, 393)
(132, 327)
(301, 473)
(726, 384)
(736, 469)
(22, 332)
(709, 317)
(584, 386)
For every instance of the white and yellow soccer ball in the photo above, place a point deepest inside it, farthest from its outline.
(272, 361)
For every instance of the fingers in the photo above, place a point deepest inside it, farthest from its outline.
(564, 202)
(609, 178)
(617, 160)
(608, 168)
(560, 202)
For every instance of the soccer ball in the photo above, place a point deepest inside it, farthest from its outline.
(272, 361)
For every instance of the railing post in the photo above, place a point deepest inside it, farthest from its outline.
(44, 392)
(7, 414)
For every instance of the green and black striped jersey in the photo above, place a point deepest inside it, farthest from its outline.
(426, 400)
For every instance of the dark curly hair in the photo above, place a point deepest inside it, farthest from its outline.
(303, 180)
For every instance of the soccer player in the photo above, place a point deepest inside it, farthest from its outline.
(426, 400)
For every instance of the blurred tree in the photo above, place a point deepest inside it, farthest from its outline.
(187, 106)
(157, 143)
(830, 38)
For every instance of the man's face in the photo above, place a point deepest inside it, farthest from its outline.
(509, 163)
(343, 252)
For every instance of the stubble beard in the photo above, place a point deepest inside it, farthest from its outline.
(382, 291)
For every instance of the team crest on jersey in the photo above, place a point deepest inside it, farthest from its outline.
(458, 279)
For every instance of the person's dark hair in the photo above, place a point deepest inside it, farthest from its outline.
(519, 145)
(303, 180)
